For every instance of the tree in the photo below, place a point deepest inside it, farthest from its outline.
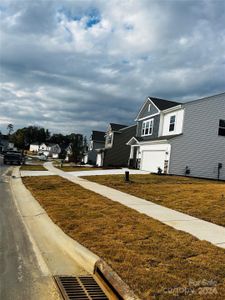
(10, 128)
(23, 137)
(77, 147)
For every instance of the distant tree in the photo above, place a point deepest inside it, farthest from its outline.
(23, 137)
(10, 128)
(77, 147)
(18, 138)
(59, 138)
(47, 134)
(85, 145)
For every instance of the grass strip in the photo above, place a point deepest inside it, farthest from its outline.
(32, 168)
(204, 199)
(155, 260)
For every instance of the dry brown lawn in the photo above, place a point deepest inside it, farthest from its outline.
(32, 168)
(155, 260)
(204, 199)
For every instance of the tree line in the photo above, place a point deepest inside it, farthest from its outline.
(23, 137)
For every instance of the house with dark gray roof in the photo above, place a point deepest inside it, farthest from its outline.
(181, 138)
(5, 143)
(116, 152)
(97, 140)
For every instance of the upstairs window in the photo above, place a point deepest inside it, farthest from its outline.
(221, 130)
(109, 139)
(149, 107)
(172, 123)
(147, 127)
(91, 146)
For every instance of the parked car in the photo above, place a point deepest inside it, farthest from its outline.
(12, 158)
(42, 157)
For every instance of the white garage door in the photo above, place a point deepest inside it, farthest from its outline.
(152, 160)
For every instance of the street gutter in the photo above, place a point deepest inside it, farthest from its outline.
(50, 238)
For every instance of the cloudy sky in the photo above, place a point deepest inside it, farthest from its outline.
(74, 66)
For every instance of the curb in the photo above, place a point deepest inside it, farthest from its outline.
(42, 264)
(29, 207)
(92, 263)
(112, 279)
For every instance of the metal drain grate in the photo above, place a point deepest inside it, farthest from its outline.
(82, 288)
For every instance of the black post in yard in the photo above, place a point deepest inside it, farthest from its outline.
(220, 165)
(127, 179)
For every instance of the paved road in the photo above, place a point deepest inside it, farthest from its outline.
(20, 275)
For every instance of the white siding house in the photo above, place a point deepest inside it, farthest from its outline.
(48, 149)
(34, 147)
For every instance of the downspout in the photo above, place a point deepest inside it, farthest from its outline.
(220, 165)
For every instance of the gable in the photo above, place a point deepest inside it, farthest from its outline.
(98, 136)
(116, 127)
(43, 145)
(148, 109)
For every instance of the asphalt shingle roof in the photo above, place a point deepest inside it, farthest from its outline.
(163, 104)
(116, 127)
(98, 136)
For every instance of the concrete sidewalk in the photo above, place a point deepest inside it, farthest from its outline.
(107, 172)
(201, 229)
(84, 173)
(35, 173)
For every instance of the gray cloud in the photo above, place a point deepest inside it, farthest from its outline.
(78, 65)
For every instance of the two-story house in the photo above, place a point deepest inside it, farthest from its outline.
(97, 141)
(181, 138)
(116, 151)
(34, 147)
(50, 149)
(5, 144)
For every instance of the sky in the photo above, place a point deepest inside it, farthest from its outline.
(76, 66)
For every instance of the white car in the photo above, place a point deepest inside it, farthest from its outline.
(42, 157)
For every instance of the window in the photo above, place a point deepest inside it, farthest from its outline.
(109, 139)
(221, 130)
(172, 123)
(91, 146)
(149, 107)
(147, 127)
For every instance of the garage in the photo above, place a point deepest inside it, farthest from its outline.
(151, 160)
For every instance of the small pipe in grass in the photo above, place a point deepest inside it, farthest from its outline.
(127, 176)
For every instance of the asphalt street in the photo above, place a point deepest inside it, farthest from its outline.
(20, 275)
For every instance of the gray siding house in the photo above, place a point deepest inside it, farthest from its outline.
(116, 152)
(97, 141)
(201, 148)
(5, 144)
(181, 138)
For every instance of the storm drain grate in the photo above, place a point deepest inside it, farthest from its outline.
(82, 288)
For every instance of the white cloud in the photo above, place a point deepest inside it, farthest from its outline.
(77, 65)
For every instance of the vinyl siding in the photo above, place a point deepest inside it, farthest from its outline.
(145, 113)
(200, 148)
(92, 155)
(155, 128)
(119, 154)
(179, 114)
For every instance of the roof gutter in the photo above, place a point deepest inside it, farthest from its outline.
(172, 108)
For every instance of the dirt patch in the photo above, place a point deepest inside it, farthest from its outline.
(204, 199)
(156, 261)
